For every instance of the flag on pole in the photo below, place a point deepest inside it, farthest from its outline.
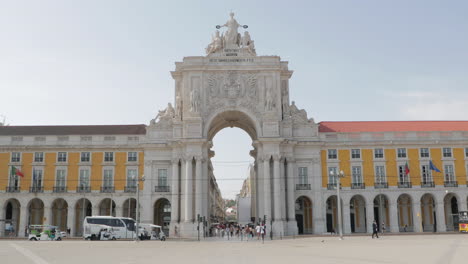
(407, 171)
(16, 171)
(433, 167)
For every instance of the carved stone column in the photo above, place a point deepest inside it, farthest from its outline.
(394, 227)
(369, 216)
(266, 187)
(198, 186)
(277, 188)
(440, 217)
(290, 190)
(175, 217)
(346, 216)
(24, 219)
(188, 190)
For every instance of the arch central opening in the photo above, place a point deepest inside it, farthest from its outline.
(232, 156)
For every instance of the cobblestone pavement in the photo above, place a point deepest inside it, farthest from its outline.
(427, 249)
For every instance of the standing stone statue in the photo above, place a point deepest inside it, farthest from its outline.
(232, 37)
(194, 101)
(178, 113)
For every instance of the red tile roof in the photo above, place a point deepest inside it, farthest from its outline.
(390, 126)
(73, 130)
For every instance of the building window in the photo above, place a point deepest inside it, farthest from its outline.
(378, 153)
(426, 174)
(108, 179)
(466, 152)
(162, 177)
(85, 156)
(424, 153)
(132, 156)
(449, 176)
(38, 156)
(37, 177)
(62, 157)
(356, 174)
(15, 156)
(14, 180)
(380, 174)
(84, 178)
(302, 175)
(109, 138)
(60, 179)
(447, 152)
(402, 176)
(332, 154)
(355, 153)
(86, 138)
(109, 156)
(332, 179)
(132, 177)
(401, 153)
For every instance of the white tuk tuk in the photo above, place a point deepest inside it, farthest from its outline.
(44, 233)
(151, 232)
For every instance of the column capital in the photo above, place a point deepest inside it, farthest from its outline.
(175, 160)
(199, 158)
(276, 157)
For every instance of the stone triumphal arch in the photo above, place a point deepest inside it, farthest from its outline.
(230, 87)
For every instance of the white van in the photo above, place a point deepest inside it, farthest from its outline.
(123, 228)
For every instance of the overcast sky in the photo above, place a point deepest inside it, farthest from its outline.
(108, 62)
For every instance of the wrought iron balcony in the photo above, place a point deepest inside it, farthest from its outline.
(332, 186)
(83, 189)
(130, 189)
(162, 188)
(13, 189)
(450, 184)
(107, 189)
(404, 185)
(60, 189)
(36, 189)
(381, 185)
(302, 187)
(428, 184)
(358, 185)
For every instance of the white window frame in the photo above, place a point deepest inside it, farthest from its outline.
(358, 153)
(421, 153)
(60, 158)
(34, 180)
(111, 153)
(132, 182)
(15, 157)
(356, 172)
(82, 178)
(402, 176)
(449, 174)
(447, 153)
(61, 182)
(334, 156)
(302, 174)
(104, 180)
(380, 176)
(88, 156)
(131, 156)
(162, 181)
(378, 150)
(403, 153)
(332, 179)
(14, 178)
(426, 176)
(38, 155)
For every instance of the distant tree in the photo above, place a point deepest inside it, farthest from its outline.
(229, 203)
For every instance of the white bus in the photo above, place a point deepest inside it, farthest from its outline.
(122, 227)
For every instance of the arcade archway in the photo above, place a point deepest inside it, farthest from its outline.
(83, 208)
(107, 207)
(451, 212)
(304, 215)
(405, 213)
(162, 214)
(429, 220)
(36, 212)
(60, 214)
(12, 217)
(381, 213)
(357, 210)
(332, 214)
(129, 208)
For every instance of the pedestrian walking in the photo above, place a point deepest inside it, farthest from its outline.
(375, 229)
(257, 230)
(382, 229)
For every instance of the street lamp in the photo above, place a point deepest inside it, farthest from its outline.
(338, 176)
(138, 205)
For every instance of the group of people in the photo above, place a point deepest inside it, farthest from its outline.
(248, 231)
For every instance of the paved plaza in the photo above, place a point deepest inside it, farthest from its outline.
(356, 249)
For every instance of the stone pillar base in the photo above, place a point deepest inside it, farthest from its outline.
(189, 230)
(291, 228)
(279, 229)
